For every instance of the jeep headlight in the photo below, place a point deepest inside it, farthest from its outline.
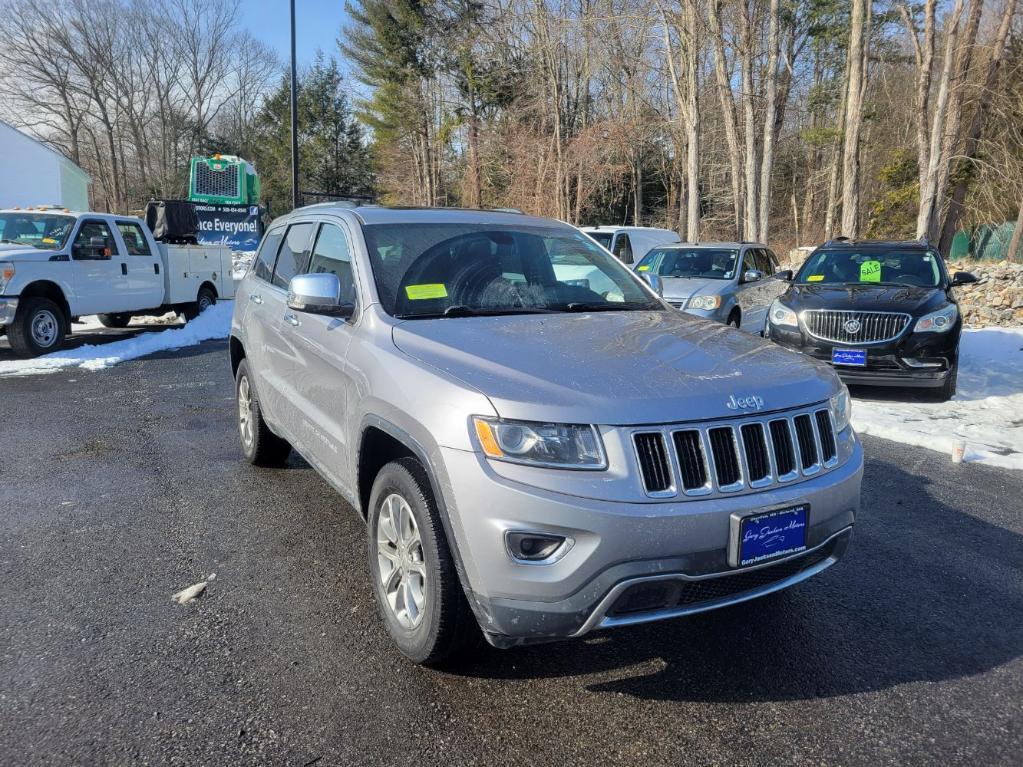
(841, 409)
(940, 321)
(705, 303)
(782, 315)
(6, 275)
(553, 445)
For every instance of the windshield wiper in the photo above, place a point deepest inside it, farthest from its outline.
(460, 310)
(609, 306)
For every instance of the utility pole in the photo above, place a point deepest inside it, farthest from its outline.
(295, 201)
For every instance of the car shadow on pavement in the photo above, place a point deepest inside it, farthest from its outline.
(925, 593)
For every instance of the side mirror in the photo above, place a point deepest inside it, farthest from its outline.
(963, 278)
(753, 275)
(654, 281)
(97, 242)
(784, 274)
(318, 294)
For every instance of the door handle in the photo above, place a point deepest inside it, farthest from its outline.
(255, 298)
(292, 320)
(124, 268)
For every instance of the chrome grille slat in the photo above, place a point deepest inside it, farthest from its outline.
(735, 455)
(874, 327)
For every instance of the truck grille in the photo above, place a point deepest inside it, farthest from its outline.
(847, 327)
(216, 183)
(727, 457)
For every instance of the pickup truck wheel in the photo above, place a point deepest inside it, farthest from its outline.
(203, 301)
(114, 320)
(419, 597)
(260, 445)
(39, 327)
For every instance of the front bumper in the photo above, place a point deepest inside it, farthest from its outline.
(679, 546)
(8, 308)
(911, 360)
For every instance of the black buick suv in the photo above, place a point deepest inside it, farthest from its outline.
(882, 313)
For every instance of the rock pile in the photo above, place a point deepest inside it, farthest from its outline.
(997, 297)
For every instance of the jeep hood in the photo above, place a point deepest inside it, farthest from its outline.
(614, 368)
(21, 254)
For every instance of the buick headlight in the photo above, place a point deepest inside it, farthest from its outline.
(782, 315)
(6, 275)
(541, 444)
(705, 303)
(940, 321)
(841, 409)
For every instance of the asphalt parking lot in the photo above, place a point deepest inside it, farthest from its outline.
(123, 486)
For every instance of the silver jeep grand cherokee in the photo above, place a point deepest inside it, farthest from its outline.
(540, 446)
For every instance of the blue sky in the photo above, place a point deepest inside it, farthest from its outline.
(317, 25)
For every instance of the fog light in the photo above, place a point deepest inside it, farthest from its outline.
(537, 547)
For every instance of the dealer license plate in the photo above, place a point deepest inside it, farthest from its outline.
(857, 357)
(772, 534)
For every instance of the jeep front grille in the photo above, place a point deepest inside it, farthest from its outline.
(732, 456)
(849, 327)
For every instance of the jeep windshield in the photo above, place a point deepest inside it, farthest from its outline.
(694, 263)
(462, 270)
(915, 268)
(45, 231)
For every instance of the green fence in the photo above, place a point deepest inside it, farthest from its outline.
(989, 242)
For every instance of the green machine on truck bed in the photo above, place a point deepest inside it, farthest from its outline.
(223, 179)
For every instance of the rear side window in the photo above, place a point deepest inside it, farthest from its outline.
(294, 254)
(623, 249)
(263, 266)
(764, 264)
(331, 256)
(134, 240)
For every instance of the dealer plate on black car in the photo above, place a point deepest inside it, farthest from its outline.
(857, 357)
(771, 534)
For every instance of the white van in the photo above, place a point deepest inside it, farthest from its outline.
(630, 243)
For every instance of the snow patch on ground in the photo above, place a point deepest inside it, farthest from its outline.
(215, 322)
(986, 413)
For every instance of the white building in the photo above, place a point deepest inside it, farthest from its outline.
(33, 174)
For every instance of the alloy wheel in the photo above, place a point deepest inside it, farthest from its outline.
(245, 411)
(401, 564)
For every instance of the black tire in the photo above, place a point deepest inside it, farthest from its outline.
(447, 630)
(948, 389)
(260, 446)
(203, 301)
(114, 320)
(733, 320)
(39, 327)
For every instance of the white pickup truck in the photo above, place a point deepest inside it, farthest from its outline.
(56, 266)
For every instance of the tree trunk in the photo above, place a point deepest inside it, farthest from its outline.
(1017, 237)
(770, 96)
(955, 209)
(858, 47)
(724, 91)
(746, 53)
(928, 185)
(692, 15)
(953, 125)
(924, 53)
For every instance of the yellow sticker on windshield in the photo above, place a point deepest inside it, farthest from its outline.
(642, 268)
(49, 240)
(815, 278)
(426, 292)
(870, 271)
